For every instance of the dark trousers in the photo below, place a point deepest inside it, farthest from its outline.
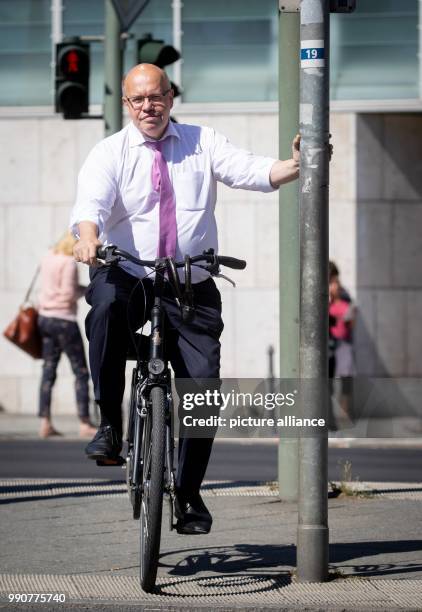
(62, 336)
(118, 301)
(331, 419)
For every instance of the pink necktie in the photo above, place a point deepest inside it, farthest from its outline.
(161, 183)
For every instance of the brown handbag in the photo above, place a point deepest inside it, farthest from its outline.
(23, 330)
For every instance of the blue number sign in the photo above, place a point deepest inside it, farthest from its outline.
(312, 54)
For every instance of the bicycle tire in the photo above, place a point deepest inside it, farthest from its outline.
(153, 446)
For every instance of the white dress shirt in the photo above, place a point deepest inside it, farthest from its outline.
(115, 190)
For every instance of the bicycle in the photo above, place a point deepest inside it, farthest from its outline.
(149, 462)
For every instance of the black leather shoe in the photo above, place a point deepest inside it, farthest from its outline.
(106, 444)
(192, 515)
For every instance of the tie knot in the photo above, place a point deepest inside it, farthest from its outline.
(156, 145)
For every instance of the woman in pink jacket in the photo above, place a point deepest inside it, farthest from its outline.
(60, 333)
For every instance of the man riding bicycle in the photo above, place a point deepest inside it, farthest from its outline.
(151, 190)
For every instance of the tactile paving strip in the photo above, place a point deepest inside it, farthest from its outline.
(44, 488)
(396, 490)
(229, 589)
(390, 490)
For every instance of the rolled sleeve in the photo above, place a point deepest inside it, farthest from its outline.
(238, 168)
(96, 192)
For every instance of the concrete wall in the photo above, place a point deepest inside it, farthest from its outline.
(388, 244)
(374, 199)
(39, 161)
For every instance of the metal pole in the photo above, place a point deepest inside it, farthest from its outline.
(288, 76)
(177, 7)
(420, 46)
(56, 36)
(113, 64)
(312, 541)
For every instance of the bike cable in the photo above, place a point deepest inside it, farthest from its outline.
(131, 332)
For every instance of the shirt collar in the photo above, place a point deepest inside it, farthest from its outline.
(137, 138)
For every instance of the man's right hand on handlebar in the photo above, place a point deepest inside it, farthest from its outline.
(85, 250)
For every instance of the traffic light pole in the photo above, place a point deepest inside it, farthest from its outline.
(288, 77)
(113, 71)
(312, 541)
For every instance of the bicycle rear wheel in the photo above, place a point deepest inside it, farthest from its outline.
(153, 452)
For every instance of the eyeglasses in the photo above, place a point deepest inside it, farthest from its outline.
(137, 102)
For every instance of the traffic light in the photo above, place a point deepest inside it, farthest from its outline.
(154, 51)
(342, 6)
(72, 78)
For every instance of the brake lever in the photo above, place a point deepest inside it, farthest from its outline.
(213, 267)
(111, 258)
(229, 280)
(215, 275)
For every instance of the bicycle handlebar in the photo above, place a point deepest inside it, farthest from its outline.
(111, 253)
(231, 262)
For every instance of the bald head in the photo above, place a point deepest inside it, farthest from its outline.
(145, 75)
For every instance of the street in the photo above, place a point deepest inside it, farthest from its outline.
(235, 461)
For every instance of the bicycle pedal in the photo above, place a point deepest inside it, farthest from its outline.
(119, 461)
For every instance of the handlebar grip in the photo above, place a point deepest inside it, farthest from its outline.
(232, 262)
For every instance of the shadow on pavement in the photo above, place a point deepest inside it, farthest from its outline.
(253, 561)
(243, 569)
(238, 585)
(24, 492)
(353, 550)
(239, 558)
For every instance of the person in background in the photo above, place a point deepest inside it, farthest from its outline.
(341, 321)
(59, 293)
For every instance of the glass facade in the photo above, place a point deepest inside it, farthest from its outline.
(25, 52)
(374, 51)
(229, 49)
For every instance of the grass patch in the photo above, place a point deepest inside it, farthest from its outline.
(349, 486)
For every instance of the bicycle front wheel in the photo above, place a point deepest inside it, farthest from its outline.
(153, 451)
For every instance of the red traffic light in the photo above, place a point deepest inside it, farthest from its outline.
(73, 61)
(72, 78)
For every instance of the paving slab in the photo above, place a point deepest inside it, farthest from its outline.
(78, 538)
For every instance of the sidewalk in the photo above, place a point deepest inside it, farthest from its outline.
(78, 538)
(14, 426)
